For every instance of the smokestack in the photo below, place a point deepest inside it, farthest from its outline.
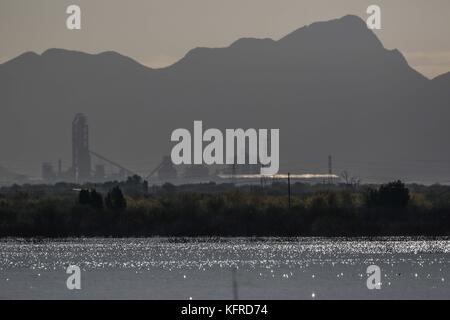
(81, 157)
(330, 169)
(59, 168)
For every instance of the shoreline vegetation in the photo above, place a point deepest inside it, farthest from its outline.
(133, 209)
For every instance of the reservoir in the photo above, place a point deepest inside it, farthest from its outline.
(225, 268)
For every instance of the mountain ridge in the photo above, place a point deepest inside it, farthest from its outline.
(329, 87)
(353, 20)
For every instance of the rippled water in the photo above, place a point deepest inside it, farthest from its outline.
(268, 268)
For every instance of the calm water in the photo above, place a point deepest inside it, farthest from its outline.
(271, 268)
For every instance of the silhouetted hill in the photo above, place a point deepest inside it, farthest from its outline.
(331, 87)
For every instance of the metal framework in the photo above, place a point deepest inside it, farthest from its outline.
(81, 158)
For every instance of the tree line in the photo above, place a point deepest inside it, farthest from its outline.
(132, 209)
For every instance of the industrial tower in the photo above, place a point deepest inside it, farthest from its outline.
(330, 169)
(81, 158)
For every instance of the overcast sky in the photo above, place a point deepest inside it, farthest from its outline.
(159, 32)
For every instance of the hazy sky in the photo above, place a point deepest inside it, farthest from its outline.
(159, 32)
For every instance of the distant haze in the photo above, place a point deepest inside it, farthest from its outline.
(330, 87)
(157, 33)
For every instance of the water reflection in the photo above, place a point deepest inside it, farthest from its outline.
(201, 268)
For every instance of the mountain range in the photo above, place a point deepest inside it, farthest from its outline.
(330, 87)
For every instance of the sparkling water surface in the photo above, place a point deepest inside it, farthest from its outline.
(225, 268)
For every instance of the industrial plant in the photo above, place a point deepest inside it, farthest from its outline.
(89, 166)
(82, 169)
